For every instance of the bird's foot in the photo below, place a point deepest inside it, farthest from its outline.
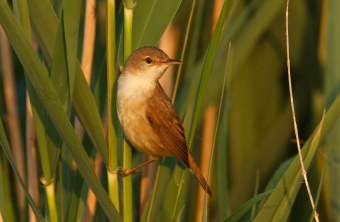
(125, 172)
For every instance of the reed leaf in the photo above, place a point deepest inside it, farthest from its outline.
(150, 20)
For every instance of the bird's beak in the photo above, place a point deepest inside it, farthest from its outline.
(173, 62)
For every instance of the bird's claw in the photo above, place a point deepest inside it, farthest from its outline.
(124, 172)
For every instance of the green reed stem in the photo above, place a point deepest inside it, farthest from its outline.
(127, 152)
(52, 207)
(111, 78)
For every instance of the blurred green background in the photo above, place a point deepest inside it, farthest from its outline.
(231, 92)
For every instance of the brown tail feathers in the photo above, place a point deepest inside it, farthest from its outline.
(195, 170)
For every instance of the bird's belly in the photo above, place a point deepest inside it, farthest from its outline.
(138, 131)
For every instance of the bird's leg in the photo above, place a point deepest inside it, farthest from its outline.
(127, 172)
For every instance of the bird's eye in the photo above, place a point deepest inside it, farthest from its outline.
(148, 60)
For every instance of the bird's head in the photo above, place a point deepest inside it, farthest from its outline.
(148, 62)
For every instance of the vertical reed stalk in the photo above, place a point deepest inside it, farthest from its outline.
(89, 39)
(111, 77)
(32, 167)
(91, 201)
(88, 49)
(169, 44)
(127, 152)
(13, 116)
(50, 196)
(209, 127)
(86, 65)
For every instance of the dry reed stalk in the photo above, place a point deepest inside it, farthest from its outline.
(32, 161)
(169, 44)
(216, 13)
(303, 170)
(209, 125)
(86, 65)
(88, 49)
(91, 201)
(12, 118)
(89, 39)
(32, 154)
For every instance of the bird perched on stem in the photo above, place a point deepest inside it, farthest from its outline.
(149, 119)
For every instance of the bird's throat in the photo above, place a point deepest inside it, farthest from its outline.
(134, 88)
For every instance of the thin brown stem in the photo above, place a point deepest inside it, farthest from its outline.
(209, 127)
(304, 173)
(14, 129)
(31, 155)
(91, 202)
(89, 38)
(169, 44)
(86, 65)
(88, 49)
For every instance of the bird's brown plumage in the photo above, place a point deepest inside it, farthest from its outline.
(166, 124)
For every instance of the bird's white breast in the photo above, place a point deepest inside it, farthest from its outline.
(134, 88)
(132, 96)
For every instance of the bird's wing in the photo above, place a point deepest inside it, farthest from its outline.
(165, 122)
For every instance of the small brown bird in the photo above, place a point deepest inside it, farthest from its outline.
(149, 120)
